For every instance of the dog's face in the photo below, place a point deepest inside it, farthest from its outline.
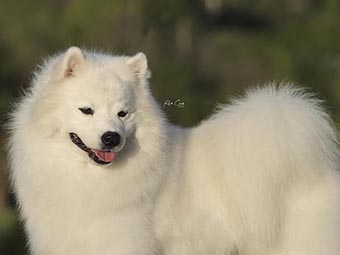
(103, 113)
(97, 102)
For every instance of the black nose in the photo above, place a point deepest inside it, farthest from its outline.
(111, 139)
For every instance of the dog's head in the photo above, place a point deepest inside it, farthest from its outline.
(91, 99)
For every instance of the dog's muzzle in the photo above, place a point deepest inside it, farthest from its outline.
(98, 156)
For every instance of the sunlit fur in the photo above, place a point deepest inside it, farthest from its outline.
(69, 204)
(259, 177)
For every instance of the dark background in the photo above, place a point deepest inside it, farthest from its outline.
(199, 51)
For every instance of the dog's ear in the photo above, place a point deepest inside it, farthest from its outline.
(139, 65)
(69, 63)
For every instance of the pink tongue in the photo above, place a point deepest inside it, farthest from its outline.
(106, 156)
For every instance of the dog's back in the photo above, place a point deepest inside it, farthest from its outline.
(259, 177)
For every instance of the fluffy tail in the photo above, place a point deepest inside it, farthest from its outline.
(268, 143)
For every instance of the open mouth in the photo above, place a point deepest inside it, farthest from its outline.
(98, 156)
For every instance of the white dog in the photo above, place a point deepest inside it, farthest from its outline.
(98, 170)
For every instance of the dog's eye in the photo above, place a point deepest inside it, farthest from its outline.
(122, 114)
(86, 110)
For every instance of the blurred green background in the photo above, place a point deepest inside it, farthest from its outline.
(199, 51)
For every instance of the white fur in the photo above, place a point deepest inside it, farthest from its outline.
(257, 178)
(69, 204)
